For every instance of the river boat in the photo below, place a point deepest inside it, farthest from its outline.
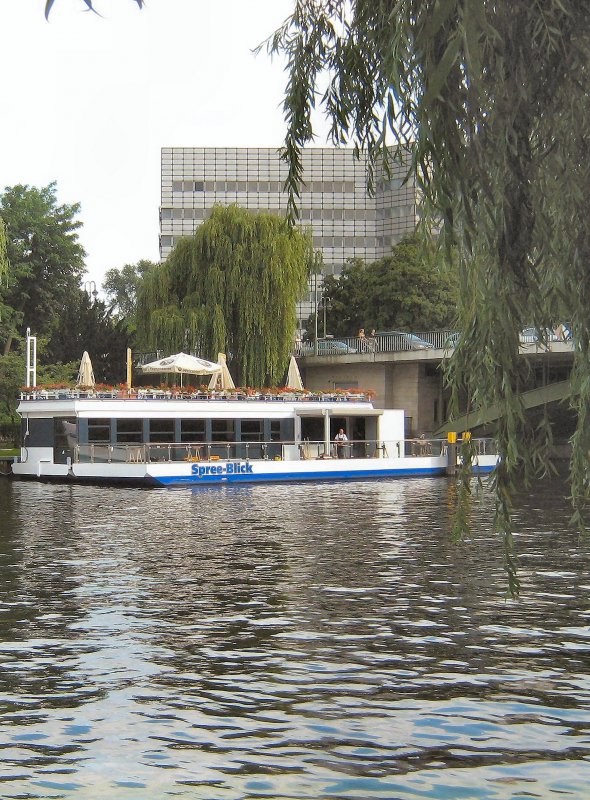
(175, 438)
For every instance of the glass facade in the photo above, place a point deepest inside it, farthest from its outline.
(346, 221)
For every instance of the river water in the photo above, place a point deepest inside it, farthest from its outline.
(289, 642)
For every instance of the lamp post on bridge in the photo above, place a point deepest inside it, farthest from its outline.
(318, 263)
(91, 291)
(326, 302)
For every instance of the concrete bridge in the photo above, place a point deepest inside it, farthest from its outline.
(404, 371)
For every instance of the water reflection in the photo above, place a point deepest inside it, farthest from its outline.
(289, 642)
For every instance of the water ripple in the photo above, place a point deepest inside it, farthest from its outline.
(288, 642)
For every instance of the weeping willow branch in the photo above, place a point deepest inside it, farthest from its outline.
(87, 3)
(493, 100)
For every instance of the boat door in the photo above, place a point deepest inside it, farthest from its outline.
(65, 438)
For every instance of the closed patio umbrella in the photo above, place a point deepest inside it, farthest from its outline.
(223, 379)
(85, 378)
(294, 376)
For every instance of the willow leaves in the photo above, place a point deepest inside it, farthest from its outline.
(493, 99)
(233, 288)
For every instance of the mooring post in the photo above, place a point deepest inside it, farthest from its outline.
(451, 453)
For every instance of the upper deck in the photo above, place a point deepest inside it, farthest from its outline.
(177, 403)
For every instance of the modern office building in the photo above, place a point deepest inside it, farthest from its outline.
(346, 221)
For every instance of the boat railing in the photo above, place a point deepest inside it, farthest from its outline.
(283, 396)
(353, 448)
(424, 447)
(164, 452)
(168, 452)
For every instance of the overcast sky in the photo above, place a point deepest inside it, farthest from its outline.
(88, 101)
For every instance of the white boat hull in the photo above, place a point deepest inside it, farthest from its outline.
(240, 472)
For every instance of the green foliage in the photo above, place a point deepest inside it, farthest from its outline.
(89, 325)
(492, 98)
(121, 287)
(13, 376)
(3, 250)
(231, 288)
(48, 374)
(408, 290)
(45, 256)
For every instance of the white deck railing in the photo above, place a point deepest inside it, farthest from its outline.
(164, 452)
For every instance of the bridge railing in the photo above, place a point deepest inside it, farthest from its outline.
(389, 342)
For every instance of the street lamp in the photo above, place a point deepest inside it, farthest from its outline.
(90, 289)
(318, 264)
(326, 301)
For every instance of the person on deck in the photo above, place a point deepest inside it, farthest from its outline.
(341, 439)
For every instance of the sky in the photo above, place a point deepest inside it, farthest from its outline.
(89, 101)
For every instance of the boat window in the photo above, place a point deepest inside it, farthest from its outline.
(222, 430)
(99, 430)
(129, 430)
(275, 430)
(37, 432)
(161, 430)
(252, 430)
(65, 431)
(65, 438)
(192, 430)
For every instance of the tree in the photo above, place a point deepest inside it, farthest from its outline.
(89, 325)
(407, 290)
(231, 287)
(5, 312)
(493, 98)
(45, 256)
(82, 325)
(3, 250)
(121, 287)
(12, 378)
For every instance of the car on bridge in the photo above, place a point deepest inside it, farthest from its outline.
(327, 347)
(532, 335)
(400, 340)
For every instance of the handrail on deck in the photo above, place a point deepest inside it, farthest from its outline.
(168, 452)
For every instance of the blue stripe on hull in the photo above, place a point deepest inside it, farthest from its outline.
(195, 480)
